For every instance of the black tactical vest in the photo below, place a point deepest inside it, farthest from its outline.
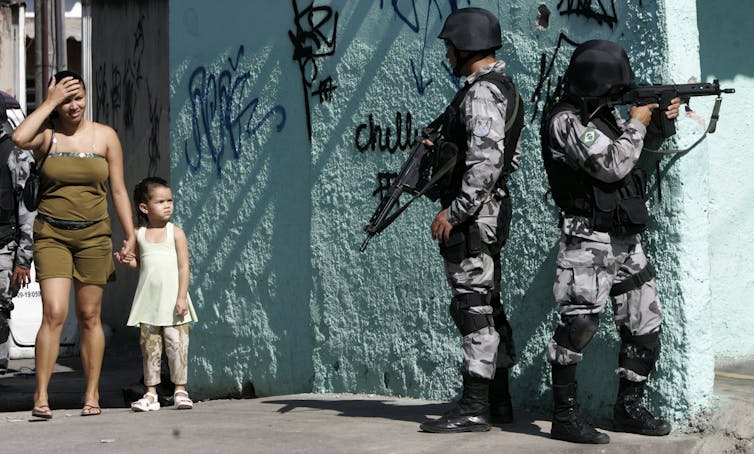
(7, 194)
(454, 131)
(617, 208)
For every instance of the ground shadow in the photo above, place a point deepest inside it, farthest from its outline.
(390, 409)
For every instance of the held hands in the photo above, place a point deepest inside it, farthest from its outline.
(58, 93)
(441, 227)
(126, 255)
(181, 308)
(643, 113)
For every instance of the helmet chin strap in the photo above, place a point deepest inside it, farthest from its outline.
(461, 62)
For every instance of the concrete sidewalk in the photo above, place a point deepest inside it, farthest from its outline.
(318, 423)
(304, 423)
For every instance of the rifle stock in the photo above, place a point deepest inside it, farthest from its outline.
(664, 94)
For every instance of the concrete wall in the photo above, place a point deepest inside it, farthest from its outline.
(130, 93)
(276, 164)
(9, 50)
(725, 35)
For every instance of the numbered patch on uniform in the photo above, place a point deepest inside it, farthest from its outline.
(589, 137)
(482, 126)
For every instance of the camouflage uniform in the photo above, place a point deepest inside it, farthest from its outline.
(15, 253)
(590, 263)
(484, 108)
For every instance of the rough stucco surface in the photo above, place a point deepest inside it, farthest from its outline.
(285, 299)
(725, 36)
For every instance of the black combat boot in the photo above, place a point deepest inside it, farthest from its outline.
(501, 409)
(4, 337)
(470, 414)
(567, 423)
(629, 415)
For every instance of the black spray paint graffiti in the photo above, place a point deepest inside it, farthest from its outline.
(118, 94)
(314, 39)
(545, 75)
(222, 112)
(384, 181)
(123, 83)
(584, 8)
(404, 137)
(411, 19)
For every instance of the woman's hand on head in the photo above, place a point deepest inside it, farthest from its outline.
(58, 93)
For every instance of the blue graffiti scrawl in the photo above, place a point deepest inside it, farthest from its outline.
(407, 12)
(221, 112)
(314, 38)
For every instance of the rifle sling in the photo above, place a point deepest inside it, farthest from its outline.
(710, 130)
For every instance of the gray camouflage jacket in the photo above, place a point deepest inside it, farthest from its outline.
(19, 163)
(589, 149)
(484, 108)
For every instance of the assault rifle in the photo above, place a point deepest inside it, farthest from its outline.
(414, 178)
(663, 94)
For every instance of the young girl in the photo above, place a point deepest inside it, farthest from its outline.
(161, 307)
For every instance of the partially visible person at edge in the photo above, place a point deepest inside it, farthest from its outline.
(15, 231)
(162, 307)
(590, 153)
(476, 211)
(72, 230)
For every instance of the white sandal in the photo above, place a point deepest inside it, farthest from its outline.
(147, 403)
(182, 401)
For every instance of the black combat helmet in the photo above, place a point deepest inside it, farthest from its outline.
(472, 30)
(598, 68)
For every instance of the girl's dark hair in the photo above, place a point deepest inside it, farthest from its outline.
(141, 193)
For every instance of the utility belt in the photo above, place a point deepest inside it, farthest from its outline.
(465, 240)
(66, 224)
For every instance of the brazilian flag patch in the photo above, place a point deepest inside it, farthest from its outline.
(589, 137)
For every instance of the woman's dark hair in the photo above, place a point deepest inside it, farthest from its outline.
(66, 73)
(142, 190)
(60, 76)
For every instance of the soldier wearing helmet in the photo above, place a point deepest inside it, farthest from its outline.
(481, 126)
(590, 153)
(15, 228)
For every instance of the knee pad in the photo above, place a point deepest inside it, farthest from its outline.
(576, 331)
(468, 322)
(639, 353)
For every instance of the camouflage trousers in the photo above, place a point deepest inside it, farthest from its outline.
(176, 339)
(7, 292)
(491, 347)
(586, 272)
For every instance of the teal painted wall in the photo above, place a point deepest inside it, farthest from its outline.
(274, 172)
(725, 37)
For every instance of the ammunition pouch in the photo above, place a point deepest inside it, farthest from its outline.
(7, 233)
(465, 240)
(621, 211)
